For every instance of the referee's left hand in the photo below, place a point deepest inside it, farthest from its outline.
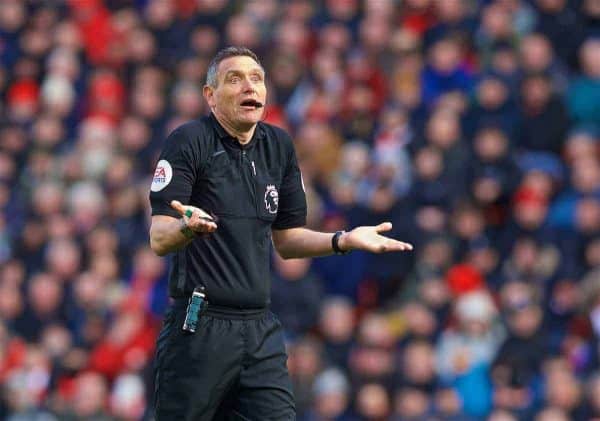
(196, 219)
(368, 238)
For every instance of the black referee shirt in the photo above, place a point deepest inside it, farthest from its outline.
(250, 188)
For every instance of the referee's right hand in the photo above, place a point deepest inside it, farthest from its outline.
(196, 219)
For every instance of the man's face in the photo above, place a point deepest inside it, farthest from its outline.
(240, 94)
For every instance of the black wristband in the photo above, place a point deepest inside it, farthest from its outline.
(334, 243)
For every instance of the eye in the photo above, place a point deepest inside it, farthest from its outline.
(234, 79)
(256, 78)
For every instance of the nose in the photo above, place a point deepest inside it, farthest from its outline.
(247, 86)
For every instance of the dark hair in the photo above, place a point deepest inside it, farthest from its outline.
(211, 73)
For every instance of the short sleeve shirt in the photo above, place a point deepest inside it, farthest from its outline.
(251, 189)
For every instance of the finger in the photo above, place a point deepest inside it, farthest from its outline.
(176, 204)
(384, 226)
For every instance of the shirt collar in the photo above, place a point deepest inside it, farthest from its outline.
(259, 133)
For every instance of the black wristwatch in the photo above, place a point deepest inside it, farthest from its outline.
(334, 243)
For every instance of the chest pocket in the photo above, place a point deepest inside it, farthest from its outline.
(223, 191)
(267, 197)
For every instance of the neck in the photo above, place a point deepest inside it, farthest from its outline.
(243, 133)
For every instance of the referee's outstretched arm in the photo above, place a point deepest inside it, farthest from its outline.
(302, 242)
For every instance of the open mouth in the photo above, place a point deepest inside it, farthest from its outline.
(251, 104)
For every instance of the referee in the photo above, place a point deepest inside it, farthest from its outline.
(226, 186)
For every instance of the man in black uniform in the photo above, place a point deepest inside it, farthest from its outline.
(242, 189)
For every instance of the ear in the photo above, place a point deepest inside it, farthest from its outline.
(209, 94)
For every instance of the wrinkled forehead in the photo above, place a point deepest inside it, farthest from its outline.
(239, 64)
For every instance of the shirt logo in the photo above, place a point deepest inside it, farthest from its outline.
(162, 176)
(271, 199)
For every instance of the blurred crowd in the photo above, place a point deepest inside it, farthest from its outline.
(472, 125)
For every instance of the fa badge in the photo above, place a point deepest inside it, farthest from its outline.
(271, 199)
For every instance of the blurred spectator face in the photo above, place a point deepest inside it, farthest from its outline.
(90, 395)
(12, 15)
(89, 291)
(586, 175)
(45, 294)
(592, 254)
(141, 46)
(562, 388)
(11, 301)
(47, 199)
(551, 6)
(67, 35)
(373, 402)
(445, 55)
(437, 254)
(147, 264)
(56, 341)
(342, 9)
(192, 69)
(147, 102)
(443, 129)
(587, 216)
(134, 134)
(420, 320)
(496, 22)
(105, 265)
(238, 79)
(492, 93)
(127, 399)
(418, 363)
(501, 415)
(552, 414)
(450, 11)
(291, 36)
(335, 36)
(240, 30)
(411, 404)
(304, 359)
(429, 163)
(374, 33)
(160, 13)
(204, 40)
(580, 145)
(48, 131)
(374, 330)
(447, 402)
(590, 58)
(286, 71)
(536, 53)
(524, 322)
(337, 320)
(504, 61)
(63, 258)
(187, 100)
(86, 205)
(468, 222)
(434, 292)
(331, 394)
(35, 43)
(536, 92)
(62, 62)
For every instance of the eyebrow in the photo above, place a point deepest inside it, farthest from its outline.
(240, 73)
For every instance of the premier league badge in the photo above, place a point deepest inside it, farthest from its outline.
(271, 199)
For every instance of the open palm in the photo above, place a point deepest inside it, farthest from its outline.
(369, 238)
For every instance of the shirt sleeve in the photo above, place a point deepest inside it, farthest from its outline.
(174, 175)
(292, 198)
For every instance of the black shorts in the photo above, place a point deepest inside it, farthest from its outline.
(232, 368)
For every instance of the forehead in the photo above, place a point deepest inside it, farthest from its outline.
(242, 64)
